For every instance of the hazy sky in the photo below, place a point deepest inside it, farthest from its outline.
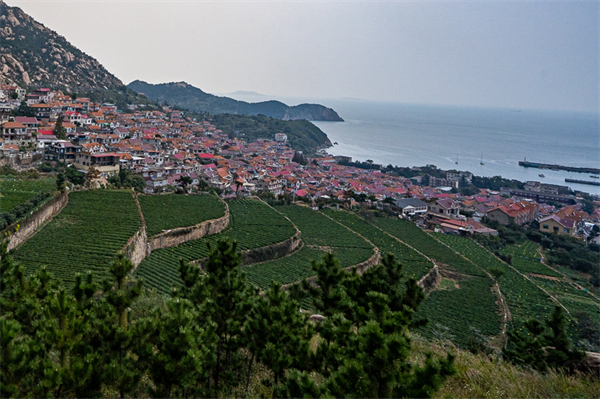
(515, 54)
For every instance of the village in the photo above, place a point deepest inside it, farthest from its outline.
(175, 152)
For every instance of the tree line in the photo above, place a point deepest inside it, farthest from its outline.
(217, 336)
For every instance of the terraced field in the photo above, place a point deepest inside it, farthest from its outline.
(467, 301)
(414, 264)
(86, 235)
(298, 266)
(14, 192)
(253, 225)
(572, 297)
(524, 299)
(526, 259)
(165, 212)
(286, 270)
(428, 245)
(318, 230)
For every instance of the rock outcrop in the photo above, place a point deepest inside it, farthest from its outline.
(31, 54)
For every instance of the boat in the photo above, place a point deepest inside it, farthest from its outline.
(335, 143)
(481, 161)
(541, 175)
(456, 162)
(595, 176)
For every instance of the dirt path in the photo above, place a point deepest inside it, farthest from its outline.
(527, 277)
(506, 316)
(543, 261)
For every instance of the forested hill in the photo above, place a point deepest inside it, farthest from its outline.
(302, 135)
(187, 96)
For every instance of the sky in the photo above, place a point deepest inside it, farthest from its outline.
(510, 54)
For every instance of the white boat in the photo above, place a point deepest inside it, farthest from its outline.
(541, 175)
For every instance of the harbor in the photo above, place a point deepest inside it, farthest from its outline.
(591, 183)
(576, 169)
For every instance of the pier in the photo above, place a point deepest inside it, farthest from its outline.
(577, 169)
(591, 183)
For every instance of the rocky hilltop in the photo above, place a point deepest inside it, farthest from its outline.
(32, 54)
(187, 96)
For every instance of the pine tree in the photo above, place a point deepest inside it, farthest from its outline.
(59, 130)
(121, 369)
(278, 334)
(222, 296)
(180, 352)
(365, 341)
(542, 347)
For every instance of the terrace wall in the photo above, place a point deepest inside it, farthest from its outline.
(431, 279)
(372, 261)
(29, 226)
(136, 248)
(183, 234)
(263, 254)
(360, 268)
(271, 251)
(139, 246)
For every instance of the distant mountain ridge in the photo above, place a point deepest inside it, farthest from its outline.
(187, 96)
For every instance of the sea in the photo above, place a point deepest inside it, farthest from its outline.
(484, 141)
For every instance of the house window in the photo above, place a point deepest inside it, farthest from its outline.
(555, 228)
(567, 231)
(545, 227)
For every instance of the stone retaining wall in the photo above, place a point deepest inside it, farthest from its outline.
(431, 279)
(271, 252)
(28, 227)
(136, 247)
(184, 234)
(360, 268)
(139, 246)
(264, 254)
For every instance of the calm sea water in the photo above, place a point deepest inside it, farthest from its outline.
(416, 135)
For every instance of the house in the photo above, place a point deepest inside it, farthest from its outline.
(106, 164)
(14, 131)
(554, 224)
(411, 206)
(444, 207)
(31, 123)
(61, 150)
(519, 213)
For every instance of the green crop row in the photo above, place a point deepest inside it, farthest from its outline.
(452, 312)
(86, 235)
(34, 185)
(164, 212)
(414, 264)
(427, 245)
(286, 270)
(161, 268)
(15, 192)
(8, 200)
(524, 299)
(526, 259)
(318, 230)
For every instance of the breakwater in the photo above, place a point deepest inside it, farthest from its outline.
(559, 167)
(591, 183)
